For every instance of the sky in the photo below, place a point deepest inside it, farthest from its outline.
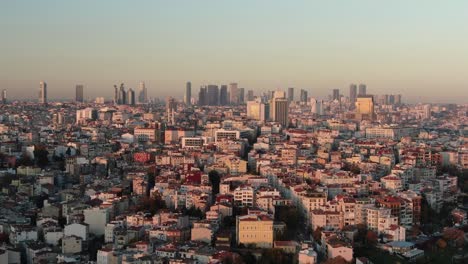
(416, 48)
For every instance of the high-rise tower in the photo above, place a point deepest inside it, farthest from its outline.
(362, 90)
(43, 92)
(188, 93)
(352, 94)
(79, 93)
(142, 93)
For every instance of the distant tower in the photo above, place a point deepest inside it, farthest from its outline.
(142, 93)
(233, 93)
(279, 108)
(241, 95)
(116, 95)
(352, 94)
(223, 95)
(365, 107)
(290, 94)
(79, 93)
(336, 94)
(213, 95)
(42, 92)
(131, 97)
(250, 95)
(362, 90)
(202, 96)
(188, 93)
(122, 95)
(4, 96)
(303, 96)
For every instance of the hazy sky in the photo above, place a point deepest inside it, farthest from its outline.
(417, 48)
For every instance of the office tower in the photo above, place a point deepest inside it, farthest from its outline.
(336, 94)
(365, 107)
(313, 105)
(116, 95)
(291, 94)
(142, 93)
(362, 89)
(391, 99)
(426, 111)
(188, 93)
(241, 95)
(279, 108)
(303, 96)
(223, 95)
(79, 93)
(4, 96)
(280, 111)
(233, 93)
(398, 99)
(122, 95)
(352, 94)
(202, 96)
(257, 110)
(131, 97)
(250, 95)
(43, 92)
(213, 95)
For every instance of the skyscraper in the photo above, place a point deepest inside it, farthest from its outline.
(202, 96)
(257, 110)
(336, 94)
(303, 97)
(362, 90)
(79, 93)
(142, 93)
(122, 95)
(241, 95)
(4, 96)
(213, 95)
(131, 97)
(352, 94)
(279, 108)
(171, 108)
(290, 94)
(250, 95)
(43, 92)
(188, 93)
(223, 95)
(365, 107)
(116, 95)
(233, 93)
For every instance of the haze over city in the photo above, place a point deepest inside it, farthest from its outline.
(416, 48)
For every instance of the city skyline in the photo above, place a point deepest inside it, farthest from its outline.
(407, 49)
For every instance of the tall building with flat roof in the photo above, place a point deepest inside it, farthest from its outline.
(79, 93)
(365, 107)
(362, 89)
(212, 95)
(188, 93)
(304, 95)
(352, 94)
(4, 96)
(142, 93)
(223, 95)
(336, 94)
(43, 92)
(233, 93)
(290, 94)
(279, 108)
